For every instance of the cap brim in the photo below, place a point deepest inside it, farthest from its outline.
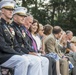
(8, 7)
(21, 14)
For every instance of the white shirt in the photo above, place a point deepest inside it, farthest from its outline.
(38, 41)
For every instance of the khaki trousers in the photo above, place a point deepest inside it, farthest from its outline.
(64, 67)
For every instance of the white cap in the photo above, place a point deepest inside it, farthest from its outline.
(7, 4)
(20, 11)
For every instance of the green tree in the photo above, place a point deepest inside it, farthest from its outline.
(55, 12)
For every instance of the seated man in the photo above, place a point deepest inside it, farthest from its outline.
(51, 46)
(11, 55)
(18, 20)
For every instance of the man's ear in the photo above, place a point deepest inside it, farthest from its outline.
(14, 17)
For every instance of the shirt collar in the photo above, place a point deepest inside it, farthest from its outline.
(4, 22)
(15, 24)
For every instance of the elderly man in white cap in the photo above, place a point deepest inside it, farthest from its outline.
(19, 16)
(11, 55)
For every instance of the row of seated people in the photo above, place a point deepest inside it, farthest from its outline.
(16, 49)
(60, 45)
(30, 48)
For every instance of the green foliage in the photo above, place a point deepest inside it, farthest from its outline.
(55, 12)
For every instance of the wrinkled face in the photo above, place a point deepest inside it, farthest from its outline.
(7, 13)
(41, 31)
(70, 35)
(19, 19)
(28, 22)
(34, 27)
